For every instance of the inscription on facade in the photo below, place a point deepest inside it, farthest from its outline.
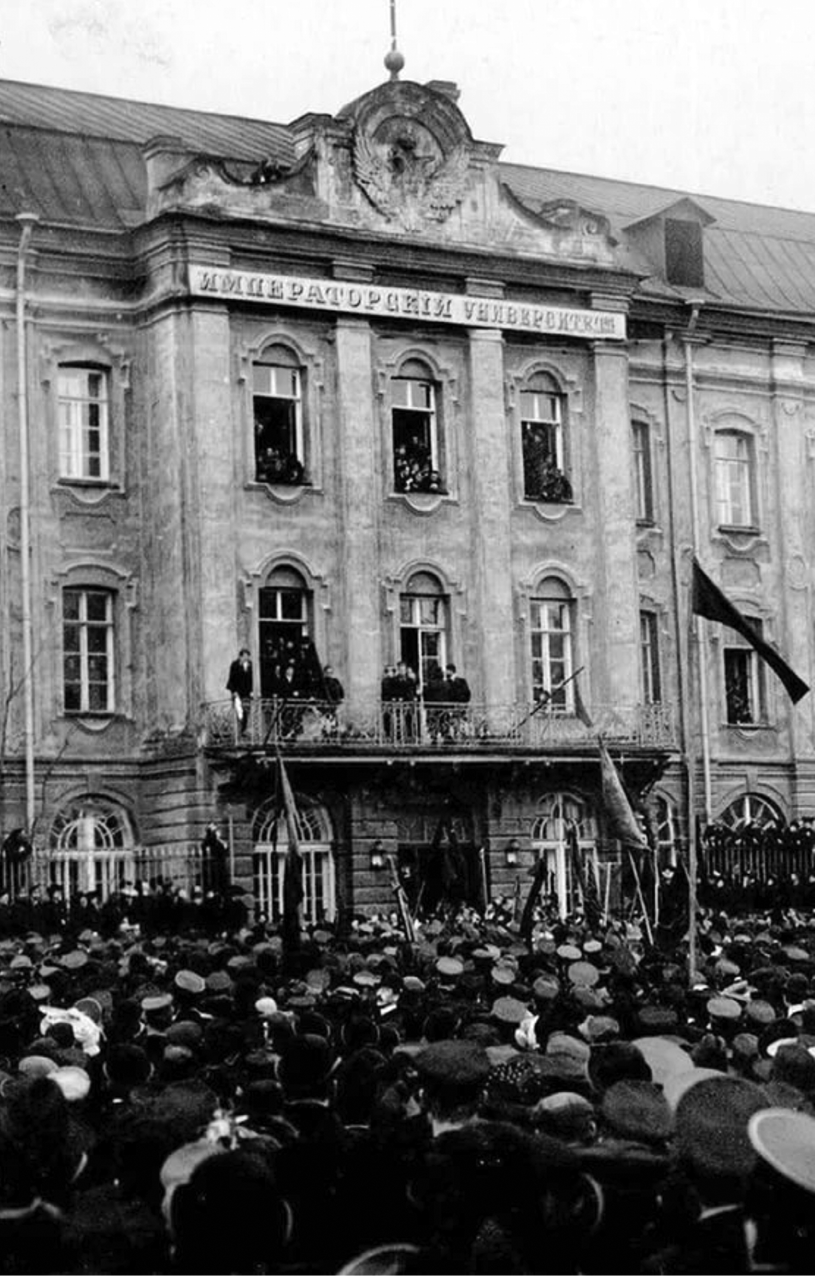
(405, 303)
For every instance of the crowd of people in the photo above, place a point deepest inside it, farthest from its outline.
(208, 1099)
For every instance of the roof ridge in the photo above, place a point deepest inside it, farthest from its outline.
(131, 101)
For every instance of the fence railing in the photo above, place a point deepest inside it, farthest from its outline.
(181, 865)
(404, 725)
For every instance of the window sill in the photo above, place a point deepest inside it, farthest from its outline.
(92, 722)
(551, 511)
(88, 491)
(739, 529)
(422, 502)
(282, 493)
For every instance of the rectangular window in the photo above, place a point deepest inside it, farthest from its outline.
(83, 423)
(423, 636)
(552, 653)
(744, 684)
(87, 642)
(649, 658)
(542, 447)
(643, 487)
(734, 480)
(416, 459)
(684, 254)
(278, 412)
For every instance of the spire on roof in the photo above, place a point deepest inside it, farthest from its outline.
(394, 60)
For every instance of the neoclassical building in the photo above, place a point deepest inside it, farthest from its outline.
(351, 392)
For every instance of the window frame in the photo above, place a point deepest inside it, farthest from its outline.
(413, 373)
(543, 635)
(276, 394)
(650, 657)
(85, 655)
(754, 678)
(642, 450)
(724, 468)
(541, 385)
(77, 451)
(416, 624)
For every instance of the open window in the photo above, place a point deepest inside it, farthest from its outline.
(542, 441)
(277, 404)
(417, 451)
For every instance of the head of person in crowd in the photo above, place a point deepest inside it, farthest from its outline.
(452, 1075)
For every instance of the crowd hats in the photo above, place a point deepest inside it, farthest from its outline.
(785, 1140)
(712, 1120)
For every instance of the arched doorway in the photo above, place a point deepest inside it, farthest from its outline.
(91, 848)
(315, 838)
(556, 812)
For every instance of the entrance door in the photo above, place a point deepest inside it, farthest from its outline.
(550, 839)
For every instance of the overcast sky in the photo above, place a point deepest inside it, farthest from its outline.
(710, 96)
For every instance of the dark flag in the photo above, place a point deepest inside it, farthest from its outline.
(293, 868)
(621, 819)
(583, 874)
(708, 600)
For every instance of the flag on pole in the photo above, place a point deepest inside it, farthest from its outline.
(622, 821)
(708, 600)
(583, 874)
(293, 867)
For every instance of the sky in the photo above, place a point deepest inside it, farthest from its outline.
(707, 96)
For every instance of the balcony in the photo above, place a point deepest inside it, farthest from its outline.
(318, 727)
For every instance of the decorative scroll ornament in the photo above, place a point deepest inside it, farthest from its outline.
(406, 174)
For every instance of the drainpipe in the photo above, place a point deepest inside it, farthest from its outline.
(699, 623)
(698, 642)
(27, 222)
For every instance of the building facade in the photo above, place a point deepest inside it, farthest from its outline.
(353, 394)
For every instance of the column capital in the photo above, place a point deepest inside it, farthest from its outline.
(493, 335)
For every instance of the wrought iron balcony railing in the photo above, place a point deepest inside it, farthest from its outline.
(401, 726)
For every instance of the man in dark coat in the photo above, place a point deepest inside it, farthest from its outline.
(240, 684)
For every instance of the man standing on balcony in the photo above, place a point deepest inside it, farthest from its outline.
(239, 684)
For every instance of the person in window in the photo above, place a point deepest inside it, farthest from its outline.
(457, 693)
(334, 693)
(434, 696)
(240, 684)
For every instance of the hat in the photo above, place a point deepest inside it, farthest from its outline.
(36, 1065)
(305, 1064)
(657, 1020)
(155, 1002)
(520, 1080)
(665, 1058)
(563, 1044)
(597, 1028)
(188, 981)
(75, 960)
(219, 981)
(711, 1126)
(786, 1141)
(266, 1006)
(509, 1010)
(794, 1064)
(74, 1083)
(637, 1110)
(760, 1012)
(724, 1008)
(565, 1115)
(449, 967)
(583, 974)
(568, 952)
(546, 987)
(454, 1066)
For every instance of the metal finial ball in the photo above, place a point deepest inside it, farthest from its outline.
(394, 61)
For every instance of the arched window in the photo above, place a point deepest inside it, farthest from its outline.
(271, 847)
(542, 441)
(277, 405)
(735, 479)
(417, 446)
(551, 627)
(284, 621)
(667, 831)
(753, 809)
(559, 814)
(91, 847)
(424, 627)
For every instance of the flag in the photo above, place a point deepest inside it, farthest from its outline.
(293, 868)
(585, 879)
(708, 600)
(621, 819)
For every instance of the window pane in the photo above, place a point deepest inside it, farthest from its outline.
(97, 606)
(97, 698)
(291, 604)
(738, 678)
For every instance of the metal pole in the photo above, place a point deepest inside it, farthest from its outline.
(27, 222)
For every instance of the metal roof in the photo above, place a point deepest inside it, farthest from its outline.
(75, 158)
(93, 115)
(756, 256)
